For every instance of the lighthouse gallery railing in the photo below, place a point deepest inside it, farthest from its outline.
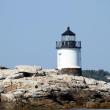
(68, 44)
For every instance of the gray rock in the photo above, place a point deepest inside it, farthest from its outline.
(2, 77)
(16, 76)
(8, 72)
(28, 69)
(50, 72)
(40, 73)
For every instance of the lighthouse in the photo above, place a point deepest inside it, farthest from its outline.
(69, 53)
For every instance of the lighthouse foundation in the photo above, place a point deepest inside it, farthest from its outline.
(72, 71)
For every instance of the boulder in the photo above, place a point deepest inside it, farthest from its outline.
(50, 72)
(90, 81)
(78, 78)
(8, 72)
(104, 87)
(2, 77)
(40, 73)
(28, 69)
(16, 76)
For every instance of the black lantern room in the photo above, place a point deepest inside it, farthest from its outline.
(68, 40)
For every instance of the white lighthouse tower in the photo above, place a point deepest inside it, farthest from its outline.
(69, 53)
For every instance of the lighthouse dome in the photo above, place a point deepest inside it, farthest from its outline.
(68, 35)
(68, 32)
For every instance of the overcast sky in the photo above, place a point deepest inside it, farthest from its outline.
(29, 30)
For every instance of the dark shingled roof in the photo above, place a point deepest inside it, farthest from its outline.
(68, 32)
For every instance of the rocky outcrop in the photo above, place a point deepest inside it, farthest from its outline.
(18, 86)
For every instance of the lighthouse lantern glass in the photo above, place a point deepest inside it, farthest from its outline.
(68, 38)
